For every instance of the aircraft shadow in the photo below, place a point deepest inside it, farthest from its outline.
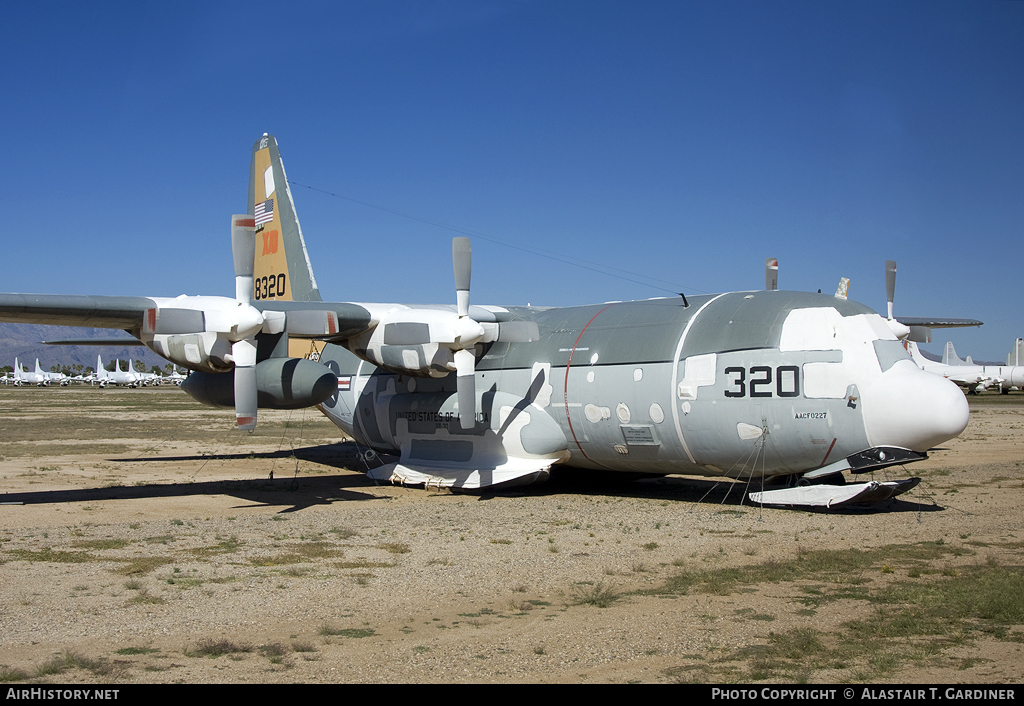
(289, 490)
(296, 491)
(291, 494)
(686, 490)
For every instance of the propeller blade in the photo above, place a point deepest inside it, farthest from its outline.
(244, 354)
(890, 283)
(462, 263)
(243, 251)
(900, 330)
(843, 290)
(771, 274)
(465, 370)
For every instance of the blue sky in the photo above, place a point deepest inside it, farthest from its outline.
(680, 143)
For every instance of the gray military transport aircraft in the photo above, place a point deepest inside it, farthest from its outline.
(787, 390)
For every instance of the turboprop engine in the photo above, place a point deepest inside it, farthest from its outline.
(216, 336)
(281, 383)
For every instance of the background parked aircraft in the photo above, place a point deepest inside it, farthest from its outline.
(970, 376)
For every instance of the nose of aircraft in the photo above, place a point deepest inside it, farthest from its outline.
(913, 409)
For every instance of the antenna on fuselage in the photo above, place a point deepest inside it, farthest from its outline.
(771, 274)
(686, 304)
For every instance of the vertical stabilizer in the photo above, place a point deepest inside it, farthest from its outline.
(915, 353)
(949, 356)
(282, 270)
(1016, 356)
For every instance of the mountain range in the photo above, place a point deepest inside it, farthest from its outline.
(25, 341)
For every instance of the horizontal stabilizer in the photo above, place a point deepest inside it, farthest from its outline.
(96, 342)
(830, 496)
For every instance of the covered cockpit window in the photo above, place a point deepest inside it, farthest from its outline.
(889, 353)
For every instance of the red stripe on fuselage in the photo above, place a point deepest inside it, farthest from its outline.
(566, 390)
(832, 446)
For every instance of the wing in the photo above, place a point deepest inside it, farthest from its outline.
(321, 320)
(75, 310)
(937, 322)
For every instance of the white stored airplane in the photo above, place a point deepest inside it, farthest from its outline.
(1016, 356)
(969, 375)
(127, 378)
(37, 377)
(146, 379)
(175, 378)
(790, 388)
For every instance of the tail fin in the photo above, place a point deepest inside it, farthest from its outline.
(949, 357)
(17, 369)
(282, 269)
(914, 352)
(1016, 356)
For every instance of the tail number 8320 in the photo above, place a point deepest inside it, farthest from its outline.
(269, 287)
(759, 381)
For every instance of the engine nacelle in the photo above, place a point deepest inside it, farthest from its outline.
(281, 383)
(204, 351)
(425, 360)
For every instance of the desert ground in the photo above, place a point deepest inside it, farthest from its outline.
(143, 540)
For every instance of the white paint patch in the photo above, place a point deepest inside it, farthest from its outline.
(699, 371)
(596, 414)
(512, 439)
(622, 412)
(825, 329)
(748, 431)
(638, 375)
(543, 398)
(268, 182)
(590, 376)
(657, 413)
(825, 380)
(410, 359)
(815, 329)
(593, 359)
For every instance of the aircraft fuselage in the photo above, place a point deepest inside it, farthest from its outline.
(740, 384)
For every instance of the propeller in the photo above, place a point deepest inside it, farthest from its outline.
(468, 333)
(247, 322)
(456, 331)
(890, 284)
(901, 331)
